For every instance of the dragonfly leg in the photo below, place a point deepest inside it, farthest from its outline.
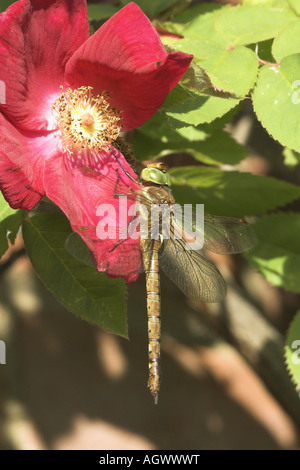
(118, 179)
(126, 172)
(130, 192)
(123, 239)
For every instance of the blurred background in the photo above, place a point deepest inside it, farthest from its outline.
(70, 385)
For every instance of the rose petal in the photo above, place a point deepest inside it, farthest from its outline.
(15, 187)
(22, 159)
(83, 186)
(125, 57)
(37, 37)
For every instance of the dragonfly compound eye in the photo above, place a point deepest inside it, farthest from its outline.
(156, 176)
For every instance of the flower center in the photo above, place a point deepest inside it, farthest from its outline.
(86, 122)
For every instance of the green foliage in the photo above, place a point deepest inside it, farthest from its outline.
(80, 288)
(248, 24)
(287, 42)
(230, 192)
(5, 209)
(223, 63)
(10, 221)
(291, 158)
(268, 3)
(154, 7)
(277, 253)
(276, 101)
(101, 11)
(4, 4)
(200, 109)
(292, 351)
(295, 6)
(156, 138)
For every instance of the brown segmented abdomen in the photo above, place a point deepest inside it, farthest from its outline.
(151, 267)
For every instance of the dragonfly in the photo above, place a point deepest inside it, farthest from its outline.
(195, 275)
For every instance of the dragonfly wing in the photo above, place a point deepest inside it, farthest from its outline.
(222, 235)
(193, 274)
(225, 235)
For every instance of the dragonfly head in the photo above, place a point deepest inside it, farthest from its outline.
(156, 173)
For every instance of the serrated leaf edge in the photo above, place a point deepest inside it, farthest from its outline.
(286, 361)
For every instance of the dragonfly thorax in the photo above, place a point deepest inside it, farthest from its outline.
(157, 195)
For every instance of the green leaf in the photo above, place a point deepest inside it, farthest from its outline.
(97, 11)
(196, 79)
(193, 13)
(152, 8)
(250, 24)
(225, 65)
(79, 250)
(4, 4)
(217, 66)
(227, 70)
(276, 101)
(158, 128)
(201, 108)
(268, 3)
(295, 5)
(145, 147)
(212, 146)
(292, 350)
(10, 221)
(230, 193)
(200, 23)
(191, 134)
(277, 254)
(9, 228)
(81, 289)
(263, 50)
(217, 79)
(291, 158)
(216, 149)
(5, 209)
(220, 147)
(219, 123)
(287, 42)
(178, 95)
(201, 46)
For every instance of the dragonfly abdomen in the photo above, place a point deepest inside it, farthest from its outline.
(153, 314)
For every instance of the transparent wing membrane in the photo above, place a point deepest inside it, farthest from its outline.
(225, 235)
(222, 235)
(193, 274)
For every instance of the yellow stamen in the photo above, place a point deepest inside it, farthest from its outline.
(86, 121)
